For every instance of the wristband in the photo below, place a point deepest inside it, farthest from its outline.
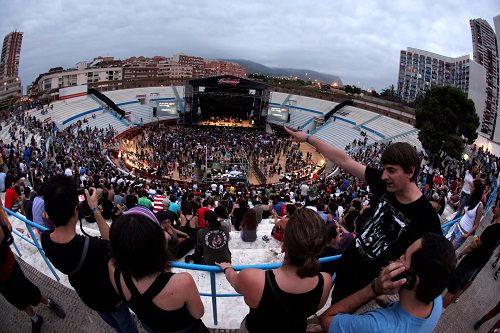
(307, 137)
(224, 270)
(94, 210)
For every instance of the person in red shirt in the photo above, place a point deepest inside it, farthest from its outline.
(11, 196)
(438, 180)
(201, 214)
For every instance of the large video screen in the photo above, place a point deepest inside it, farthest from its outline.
(167, 108)
(277, 114)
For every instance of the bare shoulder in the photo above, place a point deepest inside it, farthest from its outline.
(182, 279)
(252, 273)
(251, 279)
(327, 278)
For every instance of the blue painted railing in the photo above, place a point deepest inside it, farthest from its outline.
(215, 269)
(34, 240)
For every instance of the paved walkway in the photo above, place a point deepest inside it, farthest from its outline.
(460, 317)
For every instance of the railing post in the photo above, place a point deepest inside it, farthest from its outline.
(34, 240)
(40, 249)
(213, 291)
(17, 249)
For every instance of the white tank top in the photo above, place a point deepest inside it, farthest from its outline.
(467, 221)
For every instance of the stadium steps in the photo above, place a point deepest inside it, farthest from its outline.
(368, 121)
(287, 98)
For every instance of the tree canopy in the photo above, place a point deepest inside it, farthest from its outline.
(447, 120)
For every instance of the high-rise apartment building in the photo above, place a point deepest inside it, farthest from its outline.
(485, 53)
(421, 70)
(10, 84)
(11, 51)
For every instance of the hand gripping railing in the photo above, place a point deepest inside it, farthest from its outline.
(33, 241)
(215, 269)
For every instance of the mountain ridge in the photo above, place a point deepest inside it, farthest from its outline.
(253, 67)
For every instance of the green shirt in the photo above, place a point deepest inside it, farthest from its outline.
(143, 201)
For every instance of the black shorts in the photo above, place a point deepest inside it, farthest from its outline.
(19, 291)
(464, 273)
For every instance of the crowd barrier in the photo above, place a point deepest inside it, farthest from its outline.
(212, 270)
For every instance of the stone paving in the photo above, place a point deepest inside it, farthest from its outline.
(482, 296)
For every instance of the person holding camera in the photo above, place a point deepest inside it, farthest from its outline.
(83, 259)
(419, 277)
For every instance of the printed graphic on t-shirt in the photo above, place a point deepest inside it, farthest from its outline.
(382, 230)
(215, 239)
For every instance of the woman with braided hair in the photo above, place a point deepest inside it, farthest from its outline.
(282, 299)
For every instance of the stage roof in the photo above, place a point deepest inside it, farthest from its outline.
(228, 81)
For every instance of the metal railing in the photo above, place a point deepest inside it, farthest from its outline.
(33, 241)
(215, 269)
(212, 270)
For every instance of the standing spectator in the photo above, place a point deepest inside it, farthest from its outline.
(38, 209)
(282, 299)
(475, 256)
(68, 172)
(11, 197)
(174, 206)
(470, 175)
(143, 199)
(14, 286)
(2, 180)
(158, 201)
(398, 215)
(140, 273)
(65, 249)
(105, 205)
(249, 226)
(200, 213)
(28, 204)
(131, 201)
(470, 221)
(239, 210)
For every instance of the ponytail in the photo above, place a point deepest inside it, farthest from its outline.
(309, 268)
(305, 239)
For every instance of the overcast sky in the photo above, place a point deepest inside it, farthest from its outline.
(358, 40)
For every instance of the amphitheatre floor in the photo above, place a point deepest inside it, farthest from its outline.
(252, 179)
(459, 317)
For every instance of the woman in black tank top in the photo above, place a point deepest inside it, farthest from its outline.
(282, 299)
(139, 272)
(189, 221)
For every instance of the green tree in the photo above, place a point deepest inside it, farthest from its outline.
(447, 120)
(352, 89)
(389, 94)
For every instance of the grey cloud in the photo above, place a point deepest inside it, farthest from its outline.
(360, 41)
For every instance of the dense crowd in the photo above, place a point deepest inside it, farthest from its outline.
(185, 149)
(380, 208)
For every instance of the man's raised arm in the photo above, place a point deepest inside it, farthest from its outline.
(336, 155)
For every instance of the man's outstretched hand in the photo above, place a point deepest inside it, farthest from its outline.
(297, 135)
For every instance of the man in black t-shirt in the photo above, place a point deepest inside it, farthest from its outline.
(398, 215)
(476, 255)
(84, 260)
